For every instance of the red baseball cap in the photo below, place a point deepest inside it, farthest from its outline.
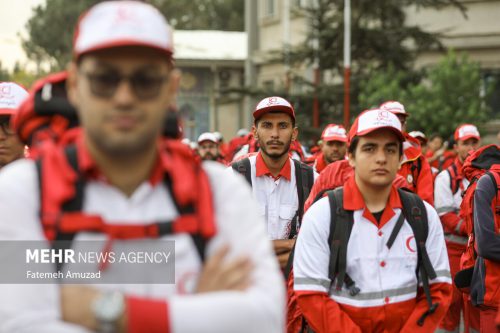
(11, 97)
(274, 103)
(122, 23)
(334, 132)
(394, 107)
(372, 120)
(466, 131)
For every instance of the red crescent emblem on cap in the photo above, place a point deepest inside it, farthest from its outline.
(5, 91)
(408, 240)
(272, 101)
(383, 115)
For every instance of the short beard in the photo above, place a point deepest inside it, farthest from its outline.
(276, 156)
(209, 157)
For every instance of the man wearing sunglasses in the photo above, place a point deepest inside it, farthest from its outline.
(122, 83)
(11, 96)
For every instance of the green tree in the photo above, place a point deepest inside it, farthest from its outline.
(204, 14)
(4, 73)
(24, 77)
(50, 31)
(50, 28)
(381, 41)
(449, 96)
(441, 99)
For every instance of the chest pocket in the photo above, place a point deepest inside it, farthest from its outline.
(287, 212)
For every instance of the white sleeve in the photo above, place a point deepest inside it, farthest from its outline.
(28, 307)
(443, 198)
(312, 251)
(262, 307)
(436, 247)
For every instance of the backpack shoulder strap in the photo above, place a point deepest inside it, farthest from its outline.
(416, 215)
(341, 222)
(454, 180)
(304, 177)
(244, 168)
(416, 166)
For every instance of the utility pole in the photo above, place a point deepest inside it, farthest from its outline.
(250, 70)
(317, 71)
(347, 61)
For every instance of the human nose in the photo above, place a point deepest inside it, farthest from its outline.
(275, 132)
(124, 94)
(380, 156)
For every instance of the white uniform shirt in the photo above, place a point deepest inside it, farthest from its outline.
(277, 200)
(384, 276)
(36, 308)
(444, 200)
(447, 202)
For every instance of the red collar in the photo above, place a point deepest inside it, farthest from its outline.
(89, 167)
(261, 169)
(459, 166)
(353, 200)
(320, 163)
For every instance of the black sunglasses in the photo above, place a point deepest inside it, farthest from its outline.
(5, 126)
(144, 85)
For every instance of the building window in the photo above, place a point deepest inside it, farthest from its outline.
(492, 86)
(269, 8)
(268, 85)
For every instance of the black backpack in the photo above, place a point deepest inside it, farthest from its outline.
(304, 176)
(340, 230)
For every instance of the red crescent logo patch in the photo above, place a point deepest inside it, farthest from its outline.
(408, 240)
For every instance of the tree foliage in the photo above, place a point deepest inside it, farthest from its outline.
(447, 95)
(381, 41)
(4, 73)
(380, 37)
(224, 15)
(50, 28)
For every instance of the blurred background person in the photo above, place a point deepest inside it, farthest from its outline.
(11, 96)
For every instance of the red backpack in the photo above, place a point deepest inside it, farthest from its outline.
(485, 160)
(49, 125)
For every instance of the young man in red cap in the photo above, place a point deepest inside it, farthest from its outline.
(137, 191)
(208, 148)
(333, 146)
(11, 96)
(381, 265)
(414, 166)
(273, 173)
(449, 187)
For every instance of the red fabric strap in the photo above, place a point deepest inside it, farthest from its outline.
(147, 315)
(76, 222)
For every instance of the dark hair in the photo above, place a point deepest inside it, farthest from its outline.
(256, 121)
(354, 144)
(435, 135)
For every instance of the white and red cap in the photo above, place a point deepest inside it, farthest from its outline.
(372, 120)
(122, 23)
(418, 134)
(207, 136)
(334, 132)
(466, 131)
(274, 103)
(11, 97)
(394, 107)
